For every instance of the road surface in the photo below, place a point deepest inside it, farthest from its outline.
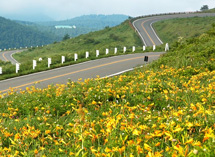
(7, 56)
(147, 33)
(102, 67)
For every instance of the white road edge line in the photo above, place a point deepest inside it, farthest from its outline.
(121, 72)
(139, 32)
(115, 74)
(11, 55)
(155, 32)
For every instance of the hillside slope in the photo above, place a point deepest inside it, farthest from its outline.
(174, 29)
(83, 24)
(14, 35)
(164, 109)
(118, 36)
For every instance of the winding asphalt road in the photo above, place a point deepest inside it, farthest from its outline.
(147, 33)
(7, 56)
(102, 67)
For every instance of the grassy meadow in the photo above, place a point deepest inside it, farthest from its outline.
(163, 109)
(172, 30)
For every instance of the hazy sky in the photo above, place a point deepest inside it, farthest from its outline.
(66, 9)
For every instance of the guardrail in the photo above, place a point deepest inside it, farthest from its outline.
(20, 48)
(86, 55)
(160, 14)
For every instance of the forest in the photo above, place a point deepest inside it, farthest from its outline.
(14, 35)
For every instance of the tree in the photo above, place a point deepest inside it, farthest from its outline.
(66, 37)
(204, 8)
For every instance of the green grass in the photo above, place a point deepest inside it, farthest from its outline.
(163, 109)
(119, 36)
(196, 52)
(173, 29)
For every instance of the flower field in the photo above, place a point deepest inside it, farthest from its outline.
(152, 111)
(156, 113)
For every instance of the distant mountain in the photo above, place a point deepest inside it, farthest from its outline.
(83, 24)
(17, 35)
(28, 17)
(24, 33)
(90, 21)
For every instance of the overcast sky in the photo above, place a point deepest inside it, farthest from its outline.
(66, 9)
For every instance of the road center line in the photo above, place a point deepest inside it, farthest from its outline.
(98, 66)
(4, 56)
(147, 32)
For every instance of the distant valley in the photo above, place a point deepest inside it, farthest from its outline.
(15, 34)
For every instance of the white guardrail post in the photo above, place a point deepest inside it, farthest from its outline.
(0, 70)
(154, 47)
(75, 57)
(97, 53)
(167, 47)
(144, 48)
(133, 49)
(17, 67)
(124, 49)
(107, 51)
(34, 64)
(62, 59)
(115, 50)
(49, 62)
(87, 54)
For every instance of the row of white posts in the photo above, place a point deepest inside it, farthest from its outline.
(18, 48)
(63, 59)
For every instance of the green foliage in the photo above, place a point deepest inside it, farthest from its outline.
(204, 8)
(163, 109)
(66, 37)
(157, 110)
(173, 29)
(196, 52)
(14, 35)
(210, 11)
(118, 36)
(84, 24)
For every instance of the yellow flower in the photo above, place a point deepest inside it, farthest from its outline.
(136, 132)
(60, 150)
(143, 127)
(165, 91)
(71, 153)
(47, 131)
(139, 149)
(36, 151)
(132, 116)
(204, 100)
(17, 136)
(179, 149)
(130, 142)
(107, 150)
(147, 147)
(94, 102)
(157, 144)
(189, 141)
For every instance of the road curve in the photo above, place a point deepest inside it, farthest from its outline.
(7, 56)
(102, 67)
(148, 34)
